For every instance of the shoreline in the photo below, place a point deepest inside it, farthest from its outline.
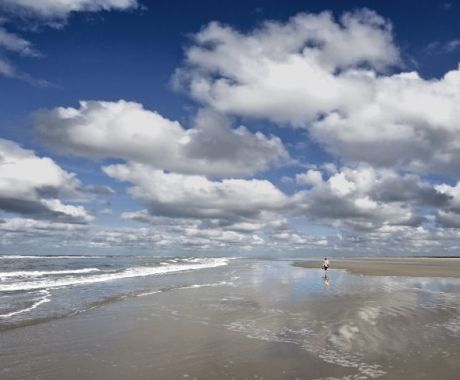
(408, 267)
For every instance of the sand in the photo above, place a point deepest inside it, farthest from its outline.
(412, 267)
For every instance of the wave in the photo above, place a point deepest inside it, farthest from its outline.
(36, 273)
(128, 273)
(45, 298)
(15, 257)
(194, 286)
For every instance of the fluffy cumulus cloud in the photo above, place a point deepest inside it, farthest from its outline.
(199, 212)
(368, 199)
(408, 122)
(61, 9)
(193, 196)
(288, 72)
(330, 76)
(450, 216)
(128, 131)
(32, 186)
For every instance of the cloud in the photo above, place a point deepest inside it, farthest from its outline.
(196, 212)
(173, 235)
(453, 45)
(449, 215)
(49, 12)
(98, 190)
(332, 78)
(126, 130)
(31, 186)
(192, 196)
(335, 79)
(14, 43)
(40, 227)
(446, 6)
(10, 71)
(311, 177)
(268, 231)
(287, 72)
(178, 237)
(365, 199)
(7, 69)
(437, 47)
(60, 10)
(409, 123)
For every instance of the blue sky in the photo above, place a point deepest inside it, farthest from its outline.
(247, 127)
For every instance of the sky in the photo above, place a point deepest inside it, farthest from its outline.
(300, 128)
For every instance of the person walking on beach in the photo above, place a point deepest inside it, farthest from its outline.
(326, 264)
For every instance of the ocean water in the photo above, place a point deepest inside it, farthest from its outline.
(37, 288)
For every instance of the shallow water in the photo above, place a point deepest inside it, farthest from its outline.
(36, 288)
(248, 319)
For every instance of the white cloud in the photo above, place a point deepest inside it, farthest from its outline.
(128, 131)
(26, 225)
(311, 177)
(438, 47)
(204, 213)
(267, 232)
(192, 196)
(364, 198)
(7, 69)
(408, 122)
(451, 191)
(31, 185)
(449, 216)
(287, 72)
(50, 12)
(14, 43)
(61, 9)
(329, 76)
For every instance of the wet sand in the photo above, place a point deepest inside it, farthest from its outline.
(273, 321)
(411, 267)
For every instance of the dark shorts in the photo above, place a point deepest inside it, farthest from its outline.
(325, 267)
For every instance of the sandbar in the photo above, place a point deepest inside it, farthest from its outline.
(392, 266)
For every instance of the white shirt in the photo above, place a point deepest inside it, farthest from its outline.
(326, 262)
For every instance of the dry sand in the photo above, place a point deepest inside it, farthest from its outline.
(412, 267)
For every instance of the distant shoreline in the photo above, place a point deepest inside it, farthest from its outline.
(392, 266)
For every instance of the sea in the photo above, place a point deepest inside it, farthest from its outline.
(36, 288)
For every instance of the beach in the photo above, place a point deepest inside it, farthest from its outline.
(247, 319)
(393, 266)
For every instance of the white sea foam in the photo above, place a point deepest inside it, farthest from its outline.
(41, 257)
(36, 273)
(307, 339)
(149, 293)
(45, 297)
(369, 314)
(195, 286)
(128, 273)
(344, 336)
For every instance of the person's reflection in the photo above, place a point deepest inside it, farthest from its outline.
(326, 280)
